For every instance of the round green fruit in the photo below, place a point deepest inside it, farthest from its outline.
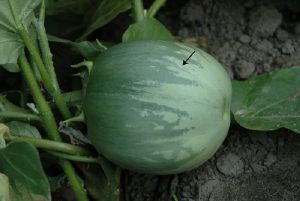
(147, 112)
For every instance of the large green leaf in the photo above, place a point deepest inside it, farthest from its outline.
(148, 29)
(11, 47)
(10, 43)
(4, 190)
(268, 102)
(17, 192)
(104, 13)
(21, 163)
(56, 7)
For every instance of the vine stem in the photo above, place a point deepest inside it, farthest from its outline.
(137, 10)
(51, 145)
(82, 159)
(53, 89)
(50, 125)
(155, 7)
(14, 112)
(46, 114)
(74, 180)
(49, 81)
(47, 58)
(26, 117)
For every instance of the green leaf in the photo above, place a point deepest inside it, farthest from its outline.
(98, 185)
(4, 190)
(4, 131)
(104, 13)
(148, 29)
(12, 67)
(73, 98)
(10, 111)
(56, 7)
(87, 49)
(23, 129)
(21, 163)
(268, 102)
(16, 192)
(24, 9)
(11, 45)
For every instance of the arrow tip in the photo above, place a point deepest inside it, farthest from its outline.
(184, 62)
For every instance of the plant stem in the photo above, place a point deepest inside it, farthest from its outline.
(75, 183)
(49, 81)
(137, 10)
(47, 58)
(53, 89)
(78, 118)
(157, 4)
(174, 196)
(9, 106)
(51, 145)
(50, 125)
(82, 159)
(17, 116)
(42, 106)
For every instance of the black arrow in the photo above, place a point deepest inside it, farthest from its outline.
(185, 61)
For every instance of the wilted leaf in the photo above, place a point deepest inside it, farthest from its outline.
(268, 102)
(57, 181)
(104, 13)
(148, 29)
(23, 129)
(74, 134)
(20, 162)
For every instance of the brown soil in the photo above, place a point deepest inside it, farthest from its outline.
(248, 37)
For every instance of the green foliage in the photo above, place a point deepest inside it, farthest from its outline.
(23, 129)
(104, 13)
(20, 162)
(100, 185)
(4, 190)
(58, 7)
(9, 111)
(87, 49)
(11, 45)
(268, 102)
